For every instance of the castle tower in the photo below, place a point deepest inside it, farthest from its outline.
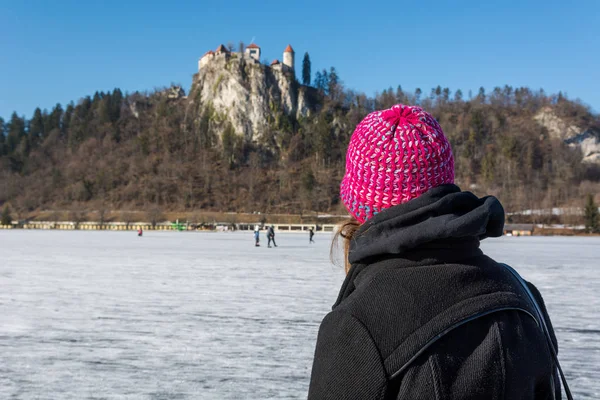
(288, 58)
(253, 51)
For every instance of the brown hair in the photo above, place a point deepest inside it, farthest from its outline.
(345, 231)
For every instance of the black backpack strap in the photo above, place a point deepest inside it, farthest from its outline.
(542, 324)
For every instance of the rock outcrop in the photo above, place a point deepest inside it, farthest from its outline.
(587, 140)
(248, 94)
(589, 143)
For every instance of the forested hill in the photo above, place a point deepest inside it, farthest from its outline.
(175, 152)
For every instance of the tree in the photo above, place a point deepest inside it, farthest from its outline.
(6, 218)
(458, 96)
(127, 217)
(116, 101)
(36, 127)
(481, 95)
(446, 94)
(322, 81)
(155, 216)
(228, 142)
(400, 96)
(333, 84)
(102, 216)
(591, 215)
(418, 93)
(53, 120)
(16, 132)
(77, 215)
(2, 138)
(308, 185)
(306, 69)
(318, 80)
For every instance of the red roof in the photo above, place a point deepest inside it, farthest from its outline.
(253, 46)
(289, 49)
(222, 49)
(208, 52)
(275, 62)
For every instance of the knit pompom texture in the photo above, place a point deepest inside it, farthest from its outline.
(394, 156)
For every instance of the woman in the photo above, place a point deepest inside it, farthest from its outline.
(423, 313)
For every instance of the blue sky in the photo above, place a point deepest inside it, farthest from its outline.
(58, 51)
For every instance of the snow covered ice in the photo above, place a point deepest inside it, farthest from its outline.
(174, 315)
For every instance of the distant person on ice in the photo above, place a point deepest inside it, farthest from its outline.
(140, 232)
(423, 313)
(311, 233)
(256, 237)
(271, 236)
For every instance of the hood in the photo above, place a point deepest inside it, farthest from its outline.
(443, 214)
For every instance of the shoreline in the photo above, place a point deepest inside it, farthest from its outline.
(536, 230)
(165, 226)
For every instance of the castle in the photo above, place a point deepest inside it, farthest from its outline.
(250, 54)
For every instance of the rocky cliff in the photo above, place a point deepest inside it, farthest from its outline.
(248, 94)
(587, 140)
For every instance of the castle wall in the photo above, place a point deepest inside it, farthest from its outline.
(204, 60)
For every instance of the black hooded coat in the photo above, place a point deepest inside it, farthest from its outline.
(424, 314)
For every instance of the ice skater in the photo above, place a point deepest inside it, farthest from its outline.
(256, 237)
(271, 236)
(311, 233)
(140, 232)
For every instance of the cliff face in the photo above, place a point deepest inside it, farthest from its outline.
(247, 94)
(588, 141)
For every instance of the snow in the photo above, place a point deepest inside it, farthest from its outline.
(177, 315)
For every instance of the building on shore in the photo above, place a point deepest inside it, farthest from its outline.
(518, 229)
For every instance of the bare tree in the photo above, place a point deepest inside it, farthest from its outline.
(155, 216)
(77, 215)
(127, 217)
(102, 216)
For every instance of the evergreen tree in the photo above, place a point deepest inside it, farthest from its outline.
(322, 81)
(66, 119)
(458, 96)
(2, 138)
(116, 102)
(481, 95)
(418, 93)
(36, 127)
(306, 69)
(591, 215)
(16, 132)
(228, 142)
(53, 120)
(318, 80)
(446, 94)
(6, 218)
(333, 84)
(400, 97)
(104, 109)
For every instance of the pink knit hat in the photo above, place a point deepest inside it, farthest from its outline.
(394, 156)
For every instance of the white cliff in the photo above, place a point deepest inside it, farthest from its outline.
(247, 94)
(588, 141)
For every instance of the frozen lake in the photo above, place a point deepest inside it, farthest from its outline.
(108, 315)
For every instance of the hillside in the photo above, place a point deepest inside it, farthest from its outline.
(249, 137)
